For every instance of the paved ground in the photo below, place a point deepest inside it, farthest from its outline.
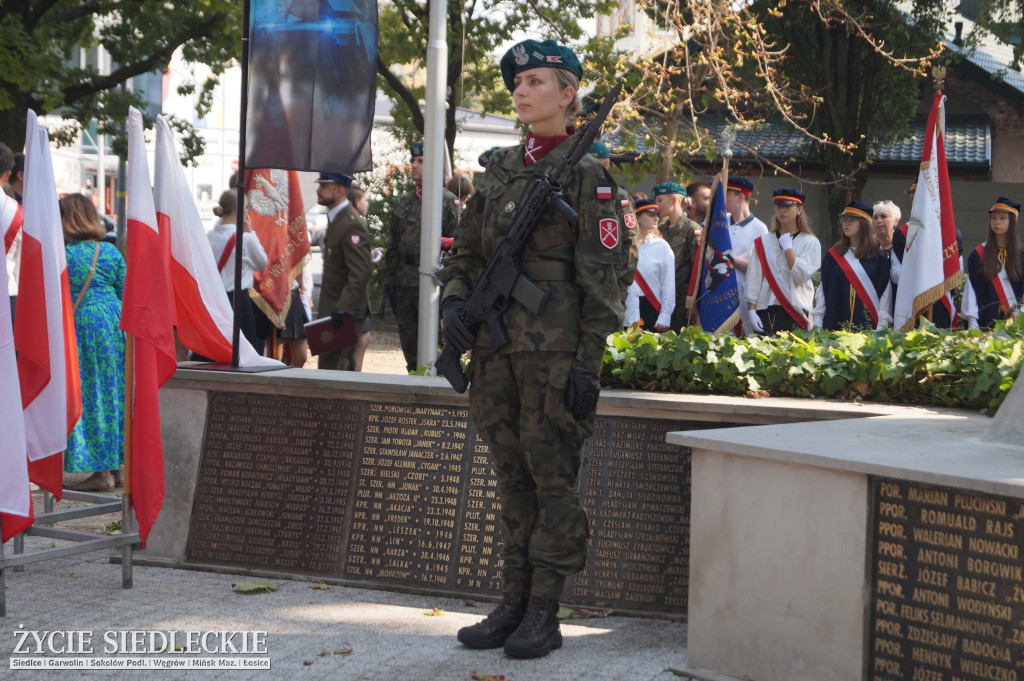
(390, 634)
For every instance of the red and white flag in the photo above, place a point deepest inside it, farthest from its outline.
(147, 313)
(931, 261)
(44, 329)
(15, 494)
(204, 314)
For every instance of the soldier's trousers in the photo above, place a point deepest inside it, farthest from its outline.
(407, 309)
(518, 405)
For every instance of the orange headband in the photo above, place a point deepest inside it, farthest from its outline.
(1004, 207)
(855, 212)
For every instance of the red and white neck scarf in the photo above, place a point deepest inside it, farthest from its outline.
(538, 146)
(778, 284)
(419, 192)
(859, 280)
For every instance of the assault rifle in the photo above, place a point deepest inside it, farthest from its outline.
(502, 280)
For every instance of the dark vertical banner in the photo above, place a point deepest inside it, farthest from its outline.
(312, 84)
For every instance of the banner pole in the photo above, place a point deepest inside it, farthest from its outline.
(240, 188)
(129, 408)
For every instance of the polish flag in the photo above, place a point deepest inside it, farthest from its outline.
(204, 314)
(147, 313)
(44, 330)
(931, 261)
(15, 494)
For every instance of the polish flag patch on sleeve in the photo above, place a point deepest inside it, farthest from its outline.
(604, 192)
(624, 203)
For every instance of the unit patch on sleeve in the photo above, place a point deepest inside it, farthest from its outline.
(609, 233)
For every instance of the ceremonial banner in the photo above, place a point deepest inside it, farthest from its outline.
(15, 494)
(713, 287)
(312, 85)
(203, 311)
(931, 261)
(147, 313)
(44, 330)
(279, 220)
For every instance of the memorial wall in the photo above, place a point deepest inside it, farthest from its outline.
(400, 495)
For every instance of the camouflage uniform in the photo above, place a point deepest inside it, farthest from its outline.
(346, 275)
(684, 238)
(517, 394)
(402, 263)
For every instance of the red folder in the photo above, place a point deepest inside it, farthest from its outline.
(321, 336)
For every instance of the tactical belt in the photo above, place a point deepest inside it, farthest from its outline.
(549, 270)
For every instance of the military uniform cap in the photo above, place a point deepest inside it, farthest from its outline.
(646, 206)
(1006, 205)
(600, 150)
(858, 209)
(788, 196)
(416, 149)
(741, 184)
(669, 188)
(334, 178)
(531, 54)
(485, 157)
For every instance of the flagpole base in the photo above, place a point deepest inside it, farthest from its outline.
(216, 366)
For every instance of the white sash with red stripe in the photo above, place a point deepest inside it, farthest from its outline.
(859, 280)
(778, 283)
(1001, 283)
(646, 289)
(229, 246)
(10, 220)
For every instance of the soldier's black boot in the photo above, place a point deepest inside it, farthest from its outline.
(538, 634)
(499, 625)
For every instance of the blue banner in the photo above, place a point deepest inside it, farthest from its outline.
(312, 85)
(717, 297)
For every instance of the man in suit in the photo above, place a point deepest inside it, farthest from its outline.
(346, 265)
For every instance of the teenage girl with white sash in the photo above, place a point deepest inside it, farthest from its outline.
(779, 291)
(652, 295)
(855, 292)
(995, 280)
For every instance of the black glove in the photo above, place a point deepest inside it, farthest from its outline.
(337, 317)
(455, 330)
(392, 294)
(581, 393)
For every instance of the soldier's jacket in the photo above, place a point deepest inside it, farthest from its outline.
(585, 275)
(402, 259)
(684, 238)
(346, 265)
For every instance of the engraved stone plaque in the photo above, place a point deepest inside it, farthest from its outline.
(273, 484)
(947, 584)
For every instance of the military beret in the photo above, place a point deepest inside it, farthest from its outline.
(646, 205)
(741, 184)
(669, 188)
(485, 157)
(600, 150)
(1005, 204)
(332, 178)
(788, 196)
(416, 150)
(858, 210)
(531, 54)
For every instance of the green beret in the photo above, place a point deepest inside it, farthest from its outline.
(416, 149)
(600, 150)
(669, 188)
(531, 54)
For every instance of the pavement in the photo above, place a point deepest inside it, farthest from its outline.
(391, 635)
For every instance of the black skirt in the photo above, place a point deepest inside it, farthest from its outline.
(293, 321)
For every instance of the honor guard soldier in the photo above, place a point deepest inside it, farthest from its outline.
(402, 259)
(533, 400)
(683, 235)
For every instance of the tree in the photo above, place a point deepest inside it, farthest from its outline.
(40, 69)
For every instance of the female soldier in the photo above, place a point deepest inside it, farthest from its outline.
(855, 291)
(779, 292)
(652, 295)
(533, 400)
(995, 280)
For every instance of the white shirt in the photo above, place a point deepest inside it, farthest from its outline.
(254, 258)
(807, 249)
(333, 213)
(741, 236)
(658, 266)
(13, 255)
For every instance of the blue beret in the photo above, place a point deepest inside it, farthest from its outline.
(1005, 204)
(329, 178)
(416, 149)
(787, 196)
(531, 54)
(600, 150)
(646, 205)
(669, 188)
(858, 210)
(741, 184)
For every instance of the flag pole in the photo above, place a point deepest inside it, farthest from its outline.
(126, 495)
(240, 188)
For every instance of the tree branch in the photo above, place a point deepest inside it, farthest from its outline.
(403, 93)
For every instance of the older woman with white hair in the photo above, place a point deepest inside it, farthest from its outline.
(886, 216)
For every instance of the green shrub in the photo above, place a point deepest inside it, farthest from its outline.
(929, 366)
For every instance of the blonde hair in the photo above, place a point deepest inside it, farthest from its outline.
(79, 219)
(802, 225)
(566, 78)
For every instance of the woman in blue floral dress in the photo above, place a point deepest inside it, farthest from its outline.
(96, 444)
